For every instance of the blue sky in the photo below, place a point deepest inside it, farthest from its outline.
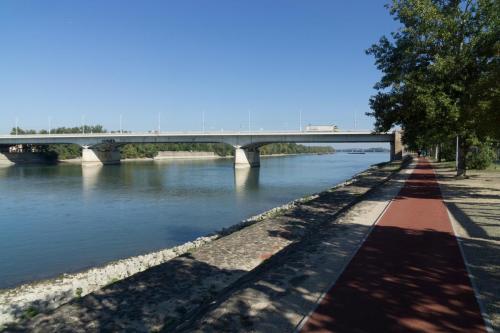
(103, 59)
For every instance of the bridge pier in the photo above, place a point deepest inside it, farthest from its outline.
(94, 156)
(396, 147)
(246, 157)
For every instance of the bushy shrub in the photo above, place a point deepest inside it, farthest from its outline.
(480, 157)
(64, 152)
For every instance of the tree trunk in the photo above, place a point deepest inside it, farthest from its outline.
(462, 148)
(440, 155)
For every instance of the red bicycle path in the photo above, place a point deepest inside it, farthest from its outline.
(408, 275)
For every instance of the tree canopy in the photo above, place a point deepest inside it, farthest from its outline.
(440, 72)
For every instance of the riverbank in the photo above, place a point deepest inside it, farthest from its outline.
(185, 155)
(7, 159)
(24, 158)
(163, 155)
(279, 155)
(208, 156)
(200, 274)
(147, 206)
(174, 155)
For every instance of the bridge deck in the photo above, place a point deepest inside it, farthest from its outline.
(232, 138)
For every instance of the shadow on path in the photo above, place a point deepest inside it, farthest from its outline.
(409, 275)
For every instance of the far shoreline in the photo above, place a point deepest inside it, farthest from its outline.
(218, 157)
(78, 160)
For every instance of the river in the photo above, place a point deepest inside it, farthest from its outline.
(65, 218)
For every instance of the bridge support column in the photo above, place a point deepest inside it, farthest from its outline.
(94, 156)
(246, 157)
(396, 147)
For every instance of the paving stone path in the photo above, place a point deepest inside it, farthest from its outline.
(277, 295)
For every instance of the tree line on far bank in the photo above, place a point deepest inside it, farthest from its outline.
(69, 151)
(441, 78)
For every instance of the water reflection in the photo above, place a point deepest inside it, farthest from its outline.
(90, 177)
(246, 179)
(59, 218)
(4, 170)
(141, 174)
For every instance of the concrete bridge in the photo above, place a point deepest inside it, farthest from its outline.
(103, 148)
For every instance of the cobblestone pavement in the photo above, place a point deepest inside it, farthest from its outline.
(474, 205)
(170, 294)
(280, 293)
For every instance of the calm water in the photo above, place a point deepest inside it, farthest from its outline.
(65, 218)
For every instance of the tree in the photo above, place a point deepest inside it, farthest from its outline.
(440, 73)
(21, 131)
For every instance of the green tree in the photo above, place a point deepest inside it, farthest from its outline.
(21, 131)
(60, 151)
(440, 73)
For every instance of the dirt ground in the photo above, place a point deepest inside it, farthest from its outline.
(474, 205)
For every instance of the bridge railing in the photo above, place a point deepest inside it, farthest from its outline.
(176, 133)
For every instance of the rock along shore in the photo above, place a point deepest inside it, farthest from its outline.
(48, 294)
(157, 290)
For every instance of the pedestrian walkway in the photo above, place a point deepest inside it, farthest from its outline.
(409, 274)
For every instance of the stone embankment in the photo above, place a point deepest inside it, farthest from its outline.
(172, 291)
(44, 295)
(173, 155)
(34, 158)
(24, 158)
(48, 294)
(165, 155)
